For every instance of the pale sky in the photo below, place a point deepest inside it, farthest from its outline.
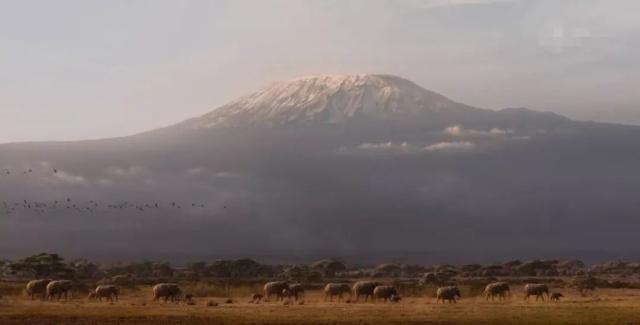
(91, 69)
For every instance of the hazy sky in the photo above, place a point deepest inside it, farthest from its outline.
(90, 69)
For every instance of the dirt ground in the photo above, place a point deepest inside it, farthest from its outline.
(604, 307)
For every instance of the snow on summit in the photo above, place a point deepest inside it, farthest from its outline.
(327, 99)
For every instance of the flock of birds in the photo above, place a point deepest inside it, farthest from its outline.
(8, 172)
(83, 206)
(90, 206)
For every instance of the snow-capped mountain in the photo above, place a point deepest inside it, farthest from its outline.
(373, 99)
(329, 99)
(363, 165)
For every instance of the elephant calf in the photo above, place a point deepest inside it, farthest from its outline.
(556, 296)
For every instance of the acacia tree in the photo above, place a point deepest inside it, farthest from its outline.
(43, 265)
(328, 268)
(84, 269)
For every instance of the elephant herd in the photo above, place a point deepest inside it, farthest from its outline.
(366, 289)
(285, 291)
(451, 294)
(502, 291)
(58, 289)
(282, 290)
(49, 289)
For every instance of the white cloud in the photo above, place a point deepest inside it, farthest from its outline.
(460, 131)
(496, 131)
(54, 175)
(384, 146)
(205, 172)
(455, 130)
(65, 177)
(196, 171)
(451, 146)
(125, 172)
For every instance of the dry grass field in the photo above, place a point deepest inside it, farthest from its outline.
(604, 307)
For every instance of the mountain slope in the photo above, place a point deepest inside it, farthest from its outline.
(377, 101)
(329, 99)
(363, 166)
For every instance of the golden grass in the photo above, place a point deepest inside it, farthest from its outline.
(606, 307)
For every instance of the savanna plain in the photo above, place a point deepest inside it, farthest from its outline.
(232, 305)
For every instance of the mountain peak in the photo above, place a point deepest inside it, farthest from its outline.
(348, 80)
(327, 99)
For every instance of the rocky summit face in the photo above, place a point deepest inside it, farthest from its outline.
(366, 167)
(372, 101)
(328, 99)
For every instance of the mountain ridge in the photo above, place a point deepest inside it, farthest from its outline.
(328, 99)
